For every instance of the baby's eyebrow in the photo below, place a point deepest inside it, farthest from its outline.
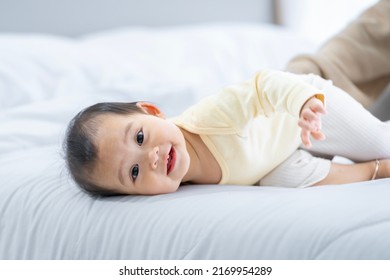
(126, 132)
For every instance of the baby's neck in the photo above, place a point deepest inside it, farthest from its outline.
(204, 169)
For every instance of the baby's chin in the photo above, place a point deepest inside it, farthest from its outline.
(171, 190)
(164, 190)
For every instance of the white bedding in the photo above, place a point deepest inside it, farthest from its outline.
(45, 80)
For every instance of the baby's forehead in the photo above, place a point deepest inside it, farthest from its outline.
(107, 117)
(112, 122)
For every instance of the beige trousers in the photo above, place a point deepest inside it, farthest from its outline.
(357, 59)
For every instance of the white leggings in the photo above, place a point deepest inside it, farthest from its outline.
(351, 132)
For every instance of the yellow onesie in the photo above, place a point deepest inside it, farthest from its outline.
(252, 127)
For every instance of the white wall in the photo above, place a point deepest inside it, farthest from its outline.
(75, 17)
(319, 19)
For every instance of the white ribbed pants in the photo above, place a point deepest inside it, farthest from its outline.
(351, 132)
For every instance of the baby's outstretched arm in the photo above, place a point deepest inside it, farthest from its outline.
(351, 131)
(310, 121)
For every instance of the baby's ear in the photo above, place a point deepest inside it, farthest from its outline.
(150, 109)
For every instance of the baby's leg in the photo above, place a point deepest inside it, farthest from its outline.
(351, 131)
(301, 170)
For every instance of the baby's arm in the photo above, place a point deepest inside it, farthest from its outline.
(357, 172)
(310, 121)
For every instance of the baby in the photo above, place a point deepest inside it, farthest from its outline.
(257, 132)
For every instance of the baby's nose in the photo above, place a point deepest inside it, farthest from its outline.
(153, 157)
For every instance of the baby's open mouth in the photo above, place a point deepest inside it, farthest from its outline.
(171, 160)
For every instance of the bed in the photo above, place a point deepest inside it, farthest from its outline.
(45, 79)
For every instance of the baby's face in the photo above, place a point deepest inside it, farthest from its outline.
(140, 154)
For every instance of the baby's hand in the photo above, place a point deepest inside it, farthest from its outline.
(310, 121)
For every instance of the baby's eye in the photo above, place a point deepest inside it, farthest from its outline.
(140, 137)
(134, 172)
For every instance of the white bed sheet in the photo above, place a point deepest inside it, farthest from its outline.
(45, 80)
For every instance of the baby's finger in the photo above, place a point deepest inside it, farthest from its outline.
(318, 135)
(310, 115)
(309, 125)
(304, 124)
(318, 107)
(313, 119)
(305, 136)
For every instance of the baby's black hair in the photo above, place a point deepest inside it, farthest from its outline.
(80, 142)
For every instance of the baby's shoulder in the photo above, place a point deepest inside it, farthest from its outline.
(206, 117)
